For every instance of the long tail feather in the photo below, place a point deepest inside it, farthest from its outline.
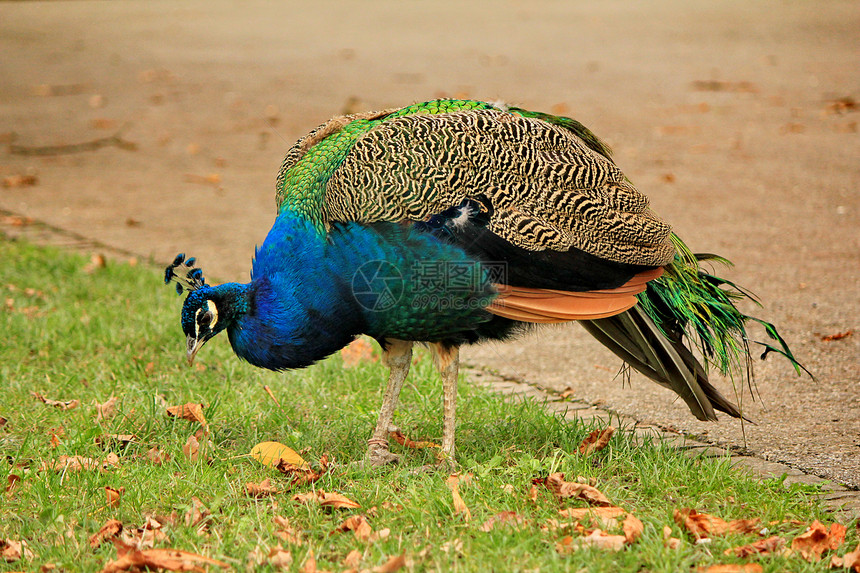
(633, 337)
(688, 303)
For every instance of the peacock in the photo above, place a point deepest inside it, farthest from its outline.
(451, 222)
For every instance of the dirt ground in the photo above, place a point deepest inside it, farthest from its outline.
(736, 118)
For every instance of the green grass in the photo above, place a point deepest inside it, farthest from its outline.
(115, 332)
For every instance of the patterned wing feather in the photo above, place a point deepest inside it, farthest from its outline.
(548, 188)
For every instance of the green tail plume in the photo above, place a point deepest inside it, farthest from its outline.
(686, 300)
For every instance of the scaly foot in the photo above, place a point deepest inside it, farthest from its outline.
(379, 455)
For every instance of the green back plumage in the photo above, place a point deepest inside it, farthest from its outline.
(308, 167)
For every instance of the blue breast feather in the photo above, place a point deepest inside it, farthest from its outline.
(310, 294)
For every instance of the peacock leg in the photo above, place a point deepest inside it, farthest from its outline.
(447, 361)
(397, 357)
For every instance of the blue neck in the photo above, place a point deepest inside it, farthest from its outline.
(300, 309)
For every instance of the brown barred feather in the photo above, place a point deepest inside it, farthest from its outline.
(547, 188)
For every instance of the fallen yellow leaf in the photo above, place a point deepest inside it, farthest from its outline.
(273, 453)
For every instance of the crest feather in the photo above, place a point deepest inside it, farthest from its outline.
(183, 272)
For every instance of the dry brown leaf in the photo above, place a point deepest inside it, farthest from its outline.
(352, 559)
(310, 564)
(103, 123)
(359, 350)
(506, 517)
(533, 493)
(287, 532)
(113, 495)
(837, 336)
(597, 538)
(12, 482)
(303, 475)
(156, 456)
(280, 557)
(596, 440)
(78, 463)
(191, 449)
(97, 261)
(210, 179)
(115, 439)
(732, 568)
(848, 561)
(760, 547)
(12, 551)
(262, 489)
(17, 220)
(608, 512)
(817, 539)
(668, 540)
(108, 531)
(398, 437)
(566, 393)
(197, 514)
(724, 86)
(455, 546)
(453, 483)
(564, 489)
(20, 180)
(702, 525)
(841, 105)
(632, 527)
(393, 564)
(107, 410)
(62, 405)
(326, 499)
(191, 412)
(132, 559)
(143, 537)
(359, 525)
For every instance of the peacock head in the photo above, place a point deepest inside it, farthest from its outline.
(207, 310)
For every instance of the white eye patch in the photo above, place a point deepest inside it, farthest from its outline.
(214, 310)
(213, 317)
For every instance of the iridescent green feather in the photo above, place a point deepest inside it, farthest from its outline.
(686, 300)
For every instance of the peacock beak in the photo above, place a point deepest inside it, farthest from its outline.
(194, 344)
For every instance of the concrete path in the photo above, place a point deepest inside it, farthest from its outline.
(727, 115)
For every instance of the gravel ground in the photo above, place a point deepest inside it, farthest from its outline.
(727, 115)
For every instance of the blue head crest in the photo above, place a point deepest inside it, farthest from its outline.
(183, 272)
